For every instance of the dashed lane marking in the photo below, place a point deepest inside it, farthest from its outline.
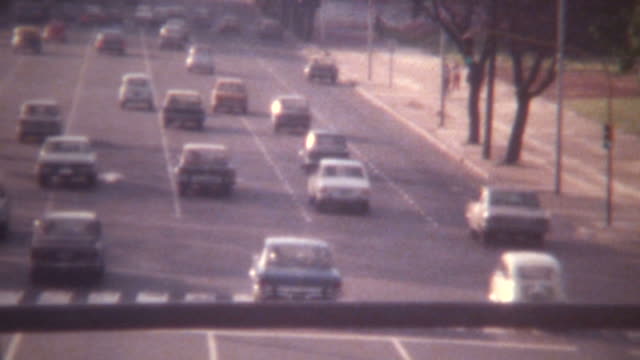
(195, 297)
(152, 297)
(54, 297)
(242, 298)
(104, 297)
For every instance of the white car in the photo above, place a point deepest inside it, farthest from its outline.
(66, 158)
(527, 276)
(339, 182)
(135, 89)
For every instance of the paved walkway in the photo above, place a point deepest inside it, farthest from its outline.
(414, 100)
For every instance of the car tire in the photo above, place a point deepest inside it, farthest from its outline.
(91, 181)
(4, 230)
(364, 208)
(487, 238)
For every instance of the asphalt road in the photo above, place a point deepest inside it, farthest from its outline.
(413, 246)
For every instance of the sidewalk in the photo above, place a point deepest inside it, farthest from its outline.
(414, 99)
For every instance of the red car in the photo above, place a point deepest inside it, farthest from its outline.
(55, 31)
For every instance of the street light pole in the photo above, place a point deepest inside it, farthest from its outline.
(561, 21)
(369, 39)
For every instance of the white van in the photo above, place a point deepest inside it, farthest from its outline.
(527, 276)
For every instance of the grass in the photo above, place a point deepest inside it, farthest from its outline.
(625, 111)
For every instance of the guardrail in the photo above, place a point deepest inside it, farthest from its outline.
(317, 315)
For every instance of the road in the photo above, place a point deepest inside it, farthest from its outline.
(413, 246)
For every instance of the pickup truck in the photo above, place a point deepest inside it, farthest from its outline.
(183, 107)
(503, 213)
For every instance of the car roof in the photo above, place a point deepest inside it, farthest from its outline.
(204, 147)
(340, 162)
(509, 188)
(48, 102)
(520, 258)
(26, 28)
(229, 80)
(69, 138)
(71, 215)
(325, 132)
(183, 92)
(293, 240)
(135, 75)
(295, 97)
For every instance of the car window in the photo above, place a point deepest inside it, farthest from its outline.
(138, 82)
(70, 227)
(331, 140)
(185, 101)
(36, 110)
(231, 87)
(68, 147)
(509, 198)
(535, 272)
(298, 255)
(330, 171)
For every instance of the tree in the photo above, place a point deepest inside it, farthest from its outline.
(464, 21)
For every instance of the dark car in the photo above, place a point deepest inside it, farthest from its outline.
(320, 144)
(270, 30)
(205, 167)
(322, 68)
(229, 94)
(295, 268)
(183, 107)
(67, 243)
(39, 119)
(55, 31)
(111, 41)
(26, 38)
(291, 112)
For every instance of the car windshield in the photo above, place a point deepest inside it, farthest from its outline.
(299, 256)
(511, 198)
(138, 82)
(295, 104)
(68, 147)
(206, 158)
(335, 141)
(42, 110)
(535, 272)
(185, 101)
(69, 228)
(231, 87)
(343, 171)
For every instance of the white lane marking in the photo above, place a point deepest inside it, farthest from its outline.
(152, 297)
(104, 297)
(197, 297)
(212, 346)
(242, 298)
(380, 338)
(10, 297)
(12, 349)
(276, 169)
(404, 354)
(163, 135)
(75, 100)
(424, 133)
(54, 297)
(403, 194)
(10, 75)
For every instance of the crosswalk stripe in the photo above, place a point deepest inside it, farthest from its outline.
(200, 297)
(103, 297)
(152, 297)
(10, 297)
(242, 298)
(54, 297)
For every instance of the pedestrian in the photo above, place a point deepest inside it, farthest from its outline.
(446, 75)
(455, 76)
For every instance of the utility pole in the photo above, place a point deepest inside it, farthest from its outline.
(370, 40)
(488, 122)
(561, 22)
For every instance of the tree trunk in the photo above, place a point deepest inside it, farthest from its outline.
(514, 148)
(475, 80)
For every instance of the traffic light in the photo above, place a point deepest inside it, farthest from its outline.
(607, 135)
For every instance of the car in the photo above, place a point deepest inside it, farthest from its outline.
(67, 242)
(525, 277)
(55, 31)
(173, 36)
(205, 167)
(135, 89)
(320, 144)
(229, 94)
(184, 107)
(110, 41)
(290, 112)
(339, 183)
(5, 211)
(270, 29)
(200, 59)
(26, 38)
(66, 158)
(321, 68)
(229, 24)
(39, 119)
(295, 268)
(507, 213)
